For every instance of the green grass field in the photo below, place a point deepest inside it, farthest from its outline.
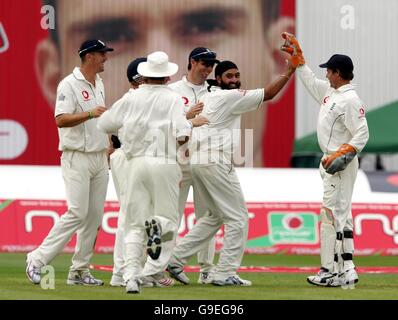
(266, 286)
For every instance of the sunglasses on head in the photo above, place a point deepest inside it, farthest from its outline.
(209, 53)
(138, 78)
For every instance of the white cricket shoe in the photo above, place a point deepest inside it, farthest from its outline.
(324, 278)
(232, 281)
(154, 244)
(117, 281)
(348, 279)
(157, 280)
(177, 273)
(83, 277)
(133, 286)
(33, 272)
(205, 278)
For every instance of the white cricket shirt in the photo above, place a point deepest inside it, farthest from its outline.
(191, 94)
(150, 119)
(75, 94)
(341, 115)
(218, 140)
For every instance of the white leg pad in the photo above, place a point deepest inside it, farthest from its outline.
(328, 239)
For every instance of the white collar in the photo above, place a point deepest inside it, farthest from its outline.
(190, 84)
(79, 75)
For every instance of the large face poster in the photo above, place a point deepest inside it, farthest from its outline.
(39, 41)
(366, 31)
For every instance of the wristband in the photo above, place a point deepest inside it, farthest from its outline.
(90, 115)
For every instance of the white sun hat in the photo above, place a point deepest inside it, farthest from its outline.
(157, 66)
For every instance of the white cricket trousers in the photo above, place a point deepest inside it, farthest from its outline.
(86, 181)
(118, 169)
(151, 192)
(337, 194)
(206, 254)
(217, 187)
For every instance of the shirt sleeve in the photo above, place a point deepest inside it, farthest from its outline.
(241, 101)
(66, 99)
(182, 125)
(316, 87)
(112, 120)
(355, 121)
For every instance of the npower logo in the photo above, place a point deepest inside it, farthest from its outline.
(389, 228)
(4, 44)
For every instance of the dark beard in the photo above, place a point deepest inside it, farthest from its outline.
(225, 86)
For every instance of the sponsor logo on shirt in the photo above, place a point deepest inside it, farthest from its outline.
(85, 95)
(361, 112)
(185, 100)
(325, 99)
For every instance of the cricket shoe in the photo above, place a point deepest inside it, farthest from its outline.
(117, 281)
(157, 280)
(133, 286)
(232, 281)
(33, 272)
(205, 278)
(154, 244)
(324, 278)
(348, 279)
(83, 277)
(177, 272)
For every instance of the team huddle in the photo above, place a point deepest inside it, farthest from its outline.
(164, 139)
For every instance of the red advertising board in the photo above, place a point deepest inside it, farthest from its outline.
(290, 228)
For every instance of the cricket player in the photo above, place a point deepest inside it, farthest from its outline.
(192, 88)
(118, 171)
(342, 133)
(84, 163)
(214, 177)
(150, 120)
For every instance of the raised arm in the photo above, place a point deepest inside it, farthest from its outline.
(296, 59)
(316, 87)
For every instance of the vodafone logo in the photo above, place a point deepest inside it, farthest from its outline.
(325, 99)
(4, 44)
(185, 99)
(362, 111)
(85, 95)
(292, 221)
(13, 139)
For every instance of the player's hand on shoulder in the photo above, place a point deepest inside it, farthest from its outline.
(97, 111)
(199, 121)
(195, 110)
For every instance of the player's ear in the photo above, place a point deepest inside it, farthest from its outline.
(275, 40)
(47, 67)
(218, 79)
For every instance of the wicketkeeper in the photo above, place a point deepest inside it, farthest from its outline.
(342, 133)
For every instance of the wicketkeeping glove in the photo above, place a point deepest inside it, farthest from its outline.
(292, 47)
(339, 160)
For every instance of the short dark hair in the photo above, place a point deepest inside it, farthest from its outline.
(346, 75)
